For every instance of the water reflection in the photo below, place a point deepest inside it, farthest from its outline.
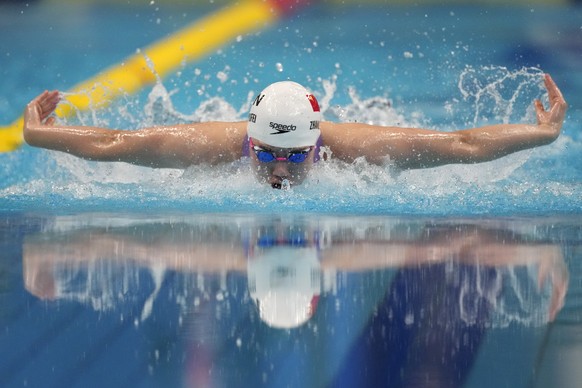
(304, 301)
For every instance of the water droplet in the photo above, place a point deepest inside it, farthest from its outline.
(285, 185)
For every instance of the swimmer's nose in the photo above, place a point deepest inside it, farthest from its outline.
(281, 169)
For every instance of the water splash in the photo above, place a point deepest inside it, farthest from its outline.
(285, 185)
(499, 94)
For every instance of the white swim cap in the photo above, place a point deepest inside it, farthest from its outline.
(285, 115)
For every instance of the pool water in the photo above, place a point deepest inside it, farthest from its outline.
(117, 275)
(242, 300)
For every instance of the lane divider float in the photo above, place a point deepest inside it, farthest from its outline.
(162, 58)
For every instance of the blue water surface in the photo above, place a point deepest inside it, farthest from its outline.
(189, 300)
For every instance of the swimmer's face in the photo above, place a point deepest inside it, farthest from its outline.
(277, 171)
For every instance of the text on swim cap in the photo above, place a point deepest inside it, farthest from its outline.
(281, 128)
(252, 117)
(258, 99)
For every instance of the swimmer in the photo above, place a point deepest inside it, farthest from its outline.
(283, 136)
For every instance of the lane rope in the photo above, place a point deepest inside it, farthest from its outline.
(162, 58)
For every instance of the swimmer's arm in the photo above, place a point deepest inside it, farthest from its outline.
(177, 146)
(410, 148)
(421, 148)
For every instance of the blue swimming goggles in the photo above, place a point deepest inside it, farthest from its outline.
(266, 156)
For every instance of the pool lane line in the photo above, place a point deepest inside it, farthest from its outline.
(161, 58)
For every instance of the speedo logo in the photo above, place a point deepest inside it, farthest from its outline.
(281, 128)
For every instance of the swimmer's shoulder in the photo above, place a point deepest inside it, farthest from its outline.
(351, 140)
(211, 141)
(338, 137)
(215, 132)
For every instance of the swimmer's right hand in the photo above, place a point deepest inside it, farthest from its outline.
(38, 111)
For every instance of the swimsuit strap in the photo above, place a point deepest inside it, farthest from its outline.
(317, 149)
(245, 146)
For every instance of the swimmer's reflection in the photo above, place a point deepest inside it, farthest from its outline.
(452, 282)
(288, 264)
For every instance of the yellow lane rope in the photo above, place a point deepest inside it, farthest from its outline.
(164, 56)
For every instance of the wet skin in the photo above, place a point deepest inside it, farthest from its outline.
(276, 172)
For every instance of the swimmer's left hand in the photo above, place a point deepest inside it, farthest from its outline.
(554, 118)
